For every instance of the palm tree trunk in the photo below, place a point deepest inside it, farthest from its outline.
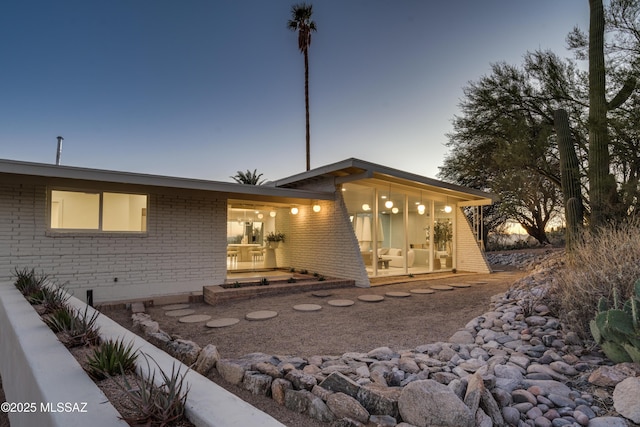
(306, 105)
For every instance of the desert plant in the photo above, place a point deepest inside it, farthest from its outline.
(598, 264)
(617, 329)
(54, 297)
(73, 327)
(111, 358)
(30, 284)
(157, 405)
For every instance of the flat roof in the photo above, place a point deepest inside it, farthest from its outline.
(351, 170)
(233, 190)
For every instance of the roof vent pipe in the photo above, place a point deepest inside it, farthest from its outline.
(59, 152)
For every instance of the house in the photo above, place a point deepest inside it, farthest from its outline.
(125, 235)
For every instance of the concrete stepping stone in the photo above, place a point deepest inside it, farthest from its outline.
(175, 307)
(398, 294)
(222, 322)
(261, 315)
(307, 307)
(371, 298)
(180, 313)
(460, 285)
(441, 287)
(194, 318)
(340, 302)
(480, 283)
(422, 291)
(321, 294)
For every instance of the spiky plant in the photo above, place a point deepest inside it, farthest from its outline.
(54, 297)
(30, 284)
(74, 328)
(112, 358)
(157, 405)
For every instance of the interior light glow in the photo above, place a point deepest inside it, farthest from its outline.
(395, 210)
(388, 204)
(421, 209)
(366, 207)
(272, 214)
(294, 211)
(317, 208)
(448, 209)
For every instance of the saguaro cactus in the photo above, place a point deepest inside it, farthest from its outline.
(569, 177)
(602, 186)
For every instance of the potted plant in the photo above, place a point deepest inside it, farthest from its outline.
(273, 239)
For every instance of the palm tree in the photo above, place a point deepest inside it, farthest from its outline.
(301, 22)
(248, 177)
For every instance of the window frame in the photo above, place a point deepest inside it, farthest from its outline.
(99, 231)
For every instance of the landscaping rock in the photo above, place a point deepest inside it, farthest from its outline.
(304, 402)
(279, 386)
(429, 403)
(344, 406)
(207, 359)
(257, 383)
(626, 399)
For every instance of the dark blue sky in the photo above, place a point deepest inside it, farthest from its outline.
(202, 89)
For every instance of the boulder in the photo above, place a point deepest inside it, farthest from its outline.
(340, 383)
(230, 371)
(344, 406)
(257, 383)
(428, 403)
(207, 359)
(625, 399)
(300, 380)
(184, 350)
(305, 402)
(279, 386)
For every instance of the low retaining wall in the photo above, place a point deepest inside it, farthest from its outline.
(39, 373)
(36, 367)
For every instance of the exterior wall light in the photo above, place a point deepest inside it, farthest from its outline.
(294, 211)
(317, 208)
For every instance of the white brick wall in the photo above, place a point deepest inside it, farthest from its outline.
(183, 250)
(470, 257)
(322, 242)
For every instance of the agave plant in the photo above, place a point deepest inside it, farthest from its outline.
(157, 405)
(30, 284)
(73, 327)
(111, 358)
(54, 297)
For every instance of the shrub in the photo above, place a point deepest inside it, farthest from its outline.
(157, 405)
(53, 298)
(600, 265)
(111, 358)
(73, 327)
(30, 284)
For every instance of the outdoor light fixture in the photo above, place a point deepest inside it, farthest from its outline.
(317, 208)
(294, 211)
(272, 214)
(366, 207)
(260, 216)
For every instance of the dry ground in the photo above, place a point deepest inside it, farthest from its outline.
(400, 323)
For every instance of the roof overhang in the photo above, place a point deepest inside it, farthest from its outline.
(231, 190)
(366, 173)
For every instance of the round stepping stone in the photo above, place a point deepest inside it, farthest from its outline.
(441, 287)
(480, 283)
(371, 298)
(261, 315)
(422, 291)
(307, 307)
(398, 294)
(194, 318)
(222, 323)
(176, 307)
(460, 285)
(321, 294)
(341, 302)
(180, 313)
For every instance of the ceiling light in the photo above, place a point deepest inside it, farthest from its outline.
(448, 209)
(395, 210)
(272, 214)
(317, 208)
(260, 216)
(294, 211)
(366, 207)
(421, 209)
(388, 204)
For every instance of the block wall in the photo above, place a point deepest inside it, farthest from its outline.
(469, 255)
(322, 242)
(184, 248)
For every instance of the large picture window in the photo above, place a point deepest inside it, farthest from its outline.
(98, 211)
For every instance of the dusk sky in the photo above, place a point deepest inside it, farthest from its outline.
(202, 89)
